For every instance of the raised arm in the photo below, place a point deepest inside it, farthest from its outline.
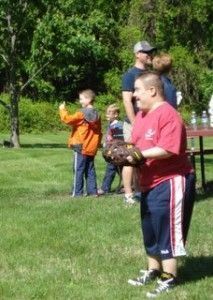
(70, 119)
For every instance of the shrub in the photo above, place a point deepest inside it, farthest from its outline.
(4, 120)
(33, 116)
(112, 80)
(38, 116)
(189, 79)
(103, 100)
(185, 112)
(43, 116)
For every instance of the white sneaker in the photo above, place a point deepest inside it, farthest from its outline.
(146, 277)
(101, 192)
(129, 199)
(163, 286)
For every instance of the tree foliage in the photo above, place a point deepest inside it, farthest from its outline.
(51, 49)
(17, 19)
(80, 42)
(182, 28)
(79, 50)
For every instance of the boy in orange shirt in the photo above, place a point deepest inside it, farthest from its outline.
(84, 139)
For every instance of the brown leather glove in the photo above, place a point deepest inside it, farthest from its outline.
(117, 152)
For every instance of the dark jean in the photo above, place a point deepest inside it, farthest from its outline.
(111, 171)
(84, 168)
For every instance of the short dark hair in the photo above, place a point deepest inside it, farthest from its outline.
(152, 78)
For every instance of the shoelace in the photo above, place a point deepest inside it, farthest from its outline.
(145, 275)
(131, 196)
(129, 199)
(163, 285)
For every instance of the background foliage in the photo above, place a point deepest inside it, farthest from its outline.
(41, 116)
(66, 46)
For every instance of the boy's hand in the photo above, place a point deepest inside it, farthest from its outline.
(62, 106)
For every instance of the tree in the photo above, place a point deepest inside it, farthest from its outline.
(76, 39)
(51, 49)
(182, 28)
(17, 21)
(80, 46)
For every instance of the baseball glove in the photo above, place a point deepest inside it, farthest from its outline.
(116, 152)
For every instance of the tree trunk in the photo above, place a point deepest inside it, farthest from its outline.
(13, 83)
(14, 119)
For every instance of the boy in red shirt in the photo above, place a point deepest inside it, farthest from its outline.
(167, 183)
(84, 139)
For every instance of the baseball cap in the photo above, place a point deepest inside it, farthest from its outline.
(143, 46)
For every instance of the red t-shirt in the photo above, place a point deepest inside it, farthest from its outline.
(162, 128)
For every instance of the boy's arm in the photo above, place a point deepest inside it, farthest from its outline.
(69, 119)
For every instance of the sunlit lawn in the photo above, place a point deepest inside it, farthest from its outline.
(56, 247)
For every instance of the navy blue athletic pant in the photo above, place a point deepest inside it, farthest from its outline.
(165, 216)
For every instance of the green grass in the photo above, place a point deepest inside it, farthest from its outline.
(56, 247)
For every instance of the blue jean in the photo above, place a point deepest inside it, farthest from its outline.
(109, 176)
(84, 168)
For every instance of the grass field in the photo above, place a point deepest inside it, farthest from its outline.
(56, 247)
